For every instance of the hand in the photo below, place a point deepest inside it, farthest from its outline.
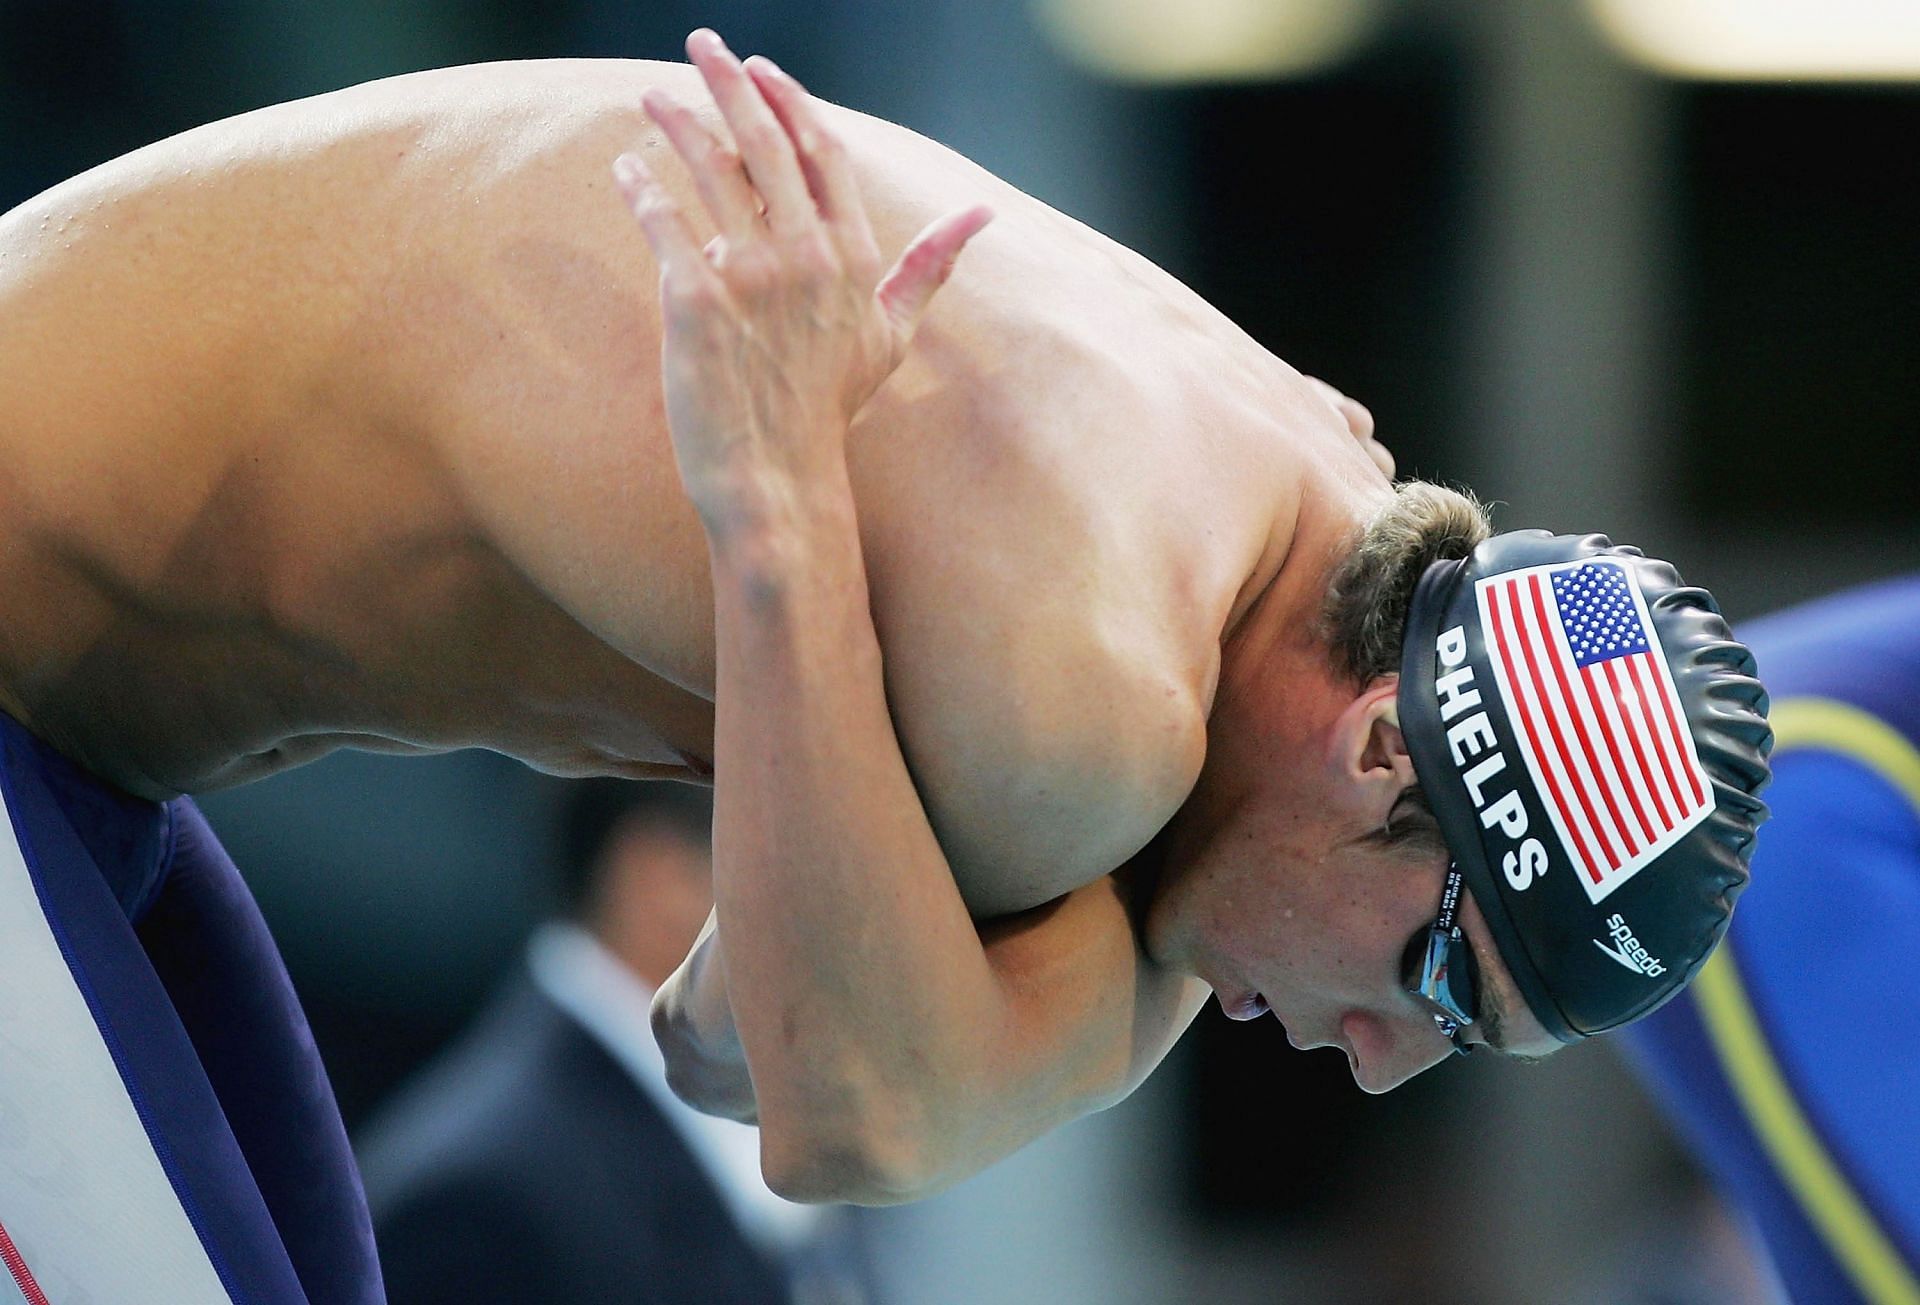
(779, 329)
(693, 1023)
(1359, 422)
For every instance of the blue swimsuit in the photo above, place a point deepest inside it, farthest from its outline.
(167, 1132)
(1791, 1063)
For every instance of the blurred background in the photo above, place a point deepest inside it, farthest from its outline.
(1622, 264)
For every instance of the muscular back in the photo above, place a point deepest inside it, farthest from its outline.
(340, 422)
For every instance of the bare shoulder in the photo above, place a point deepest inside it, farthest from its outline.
(1071, 777)
(1050, 656)
(1056, 538)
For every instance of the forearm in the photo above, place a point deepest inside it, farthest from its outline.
(863, 998)
(860, 988)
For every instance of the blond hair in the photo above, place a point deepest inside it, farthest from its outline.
(1365, 616)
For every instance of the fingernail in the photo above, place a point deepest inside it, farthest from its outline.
(629, 171)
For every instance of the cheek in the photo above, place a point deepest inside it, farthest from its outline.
(1283, 930)
(1343, 936)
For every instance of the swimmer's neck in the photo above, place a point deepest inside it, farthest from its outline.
(1281, 603)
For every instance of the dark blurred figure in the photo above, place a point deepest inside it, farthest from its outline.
(543, 1158)
(1789, 1063)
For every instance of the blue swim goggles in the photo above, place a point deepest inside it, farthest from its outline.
(1439, 971)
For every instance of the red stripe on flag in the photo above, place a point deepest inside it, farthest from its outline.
(1500, 623)
(1693, 776)
(17, 1266)
(1642, 667)
(1588, 682)
(1639, 754)
(1566, 695)
(1659, 740)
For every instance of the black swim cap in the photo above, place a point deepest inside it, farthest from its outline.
(1592, 741)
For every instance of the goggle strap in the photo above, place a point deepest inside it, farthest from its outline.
(1450, 899)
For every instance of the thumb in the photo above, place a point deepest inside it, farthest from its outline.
(924, 267)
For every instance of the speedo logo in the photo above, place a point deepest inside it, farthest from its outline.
(1627, 950)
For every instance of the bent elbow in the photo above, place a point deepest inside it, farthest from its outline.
(853, 1167)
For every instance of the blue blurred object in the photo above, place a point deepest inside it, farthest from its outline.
(157, 1062)
(1789, 1063)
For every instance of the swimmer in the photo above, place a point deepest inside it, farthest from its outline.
(1041, 633)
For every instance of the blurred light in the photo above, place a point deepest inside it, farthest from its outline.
(1841, 40)
(1207, 40)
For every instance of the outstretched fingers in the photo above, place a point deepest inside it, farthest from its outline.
(683, 262)
(822, 156)
(763, 143)
(715, 166)
(1358, 418)
(925, 266)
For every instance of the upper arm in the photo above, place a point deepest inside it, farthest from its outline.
(1049, 734)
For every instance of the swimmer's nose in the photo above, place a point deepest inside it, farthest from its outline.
(1384, 1054)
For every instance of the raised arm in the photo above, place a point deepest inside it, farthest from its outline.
(891, 1049)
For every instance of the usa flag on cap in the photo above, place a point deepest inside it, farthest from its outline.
(1587, 687)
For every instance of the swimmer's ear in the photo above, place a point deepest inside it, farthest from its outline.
(1368, 753)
